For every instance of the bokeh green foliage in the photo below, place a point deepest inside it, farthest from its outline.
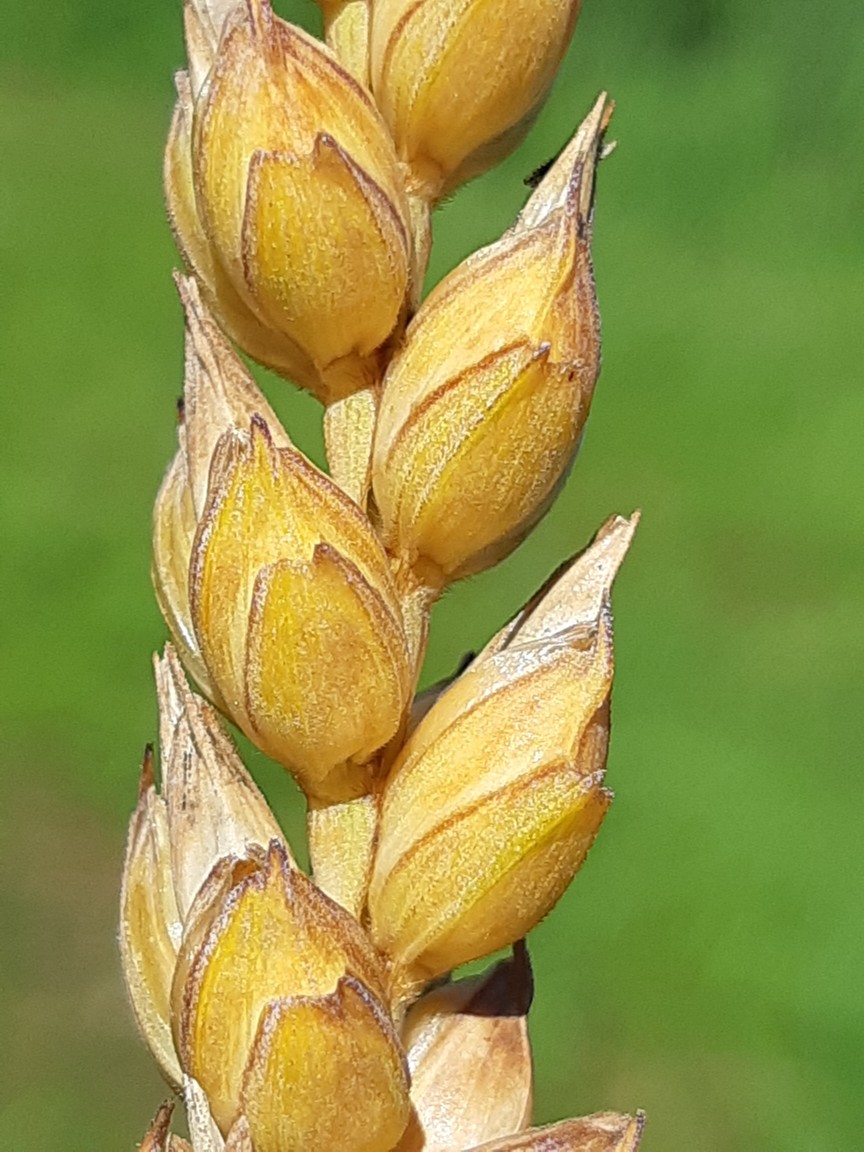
(707, 963)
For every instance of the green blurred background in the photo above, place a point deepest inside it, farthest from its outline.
(707, 964)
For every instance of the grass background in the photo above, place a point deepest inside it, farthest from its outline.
(707, 963)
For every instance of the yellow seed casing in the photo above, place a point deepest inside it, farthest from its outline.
(460, 81)
(287, 200)
(484, 406)
(277, 992)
